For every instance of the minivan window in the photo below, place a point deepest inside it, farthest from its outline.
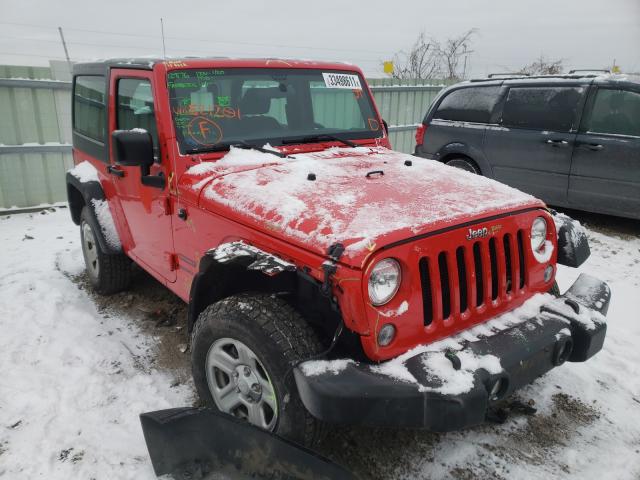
(542, 108)
(473, 104)
(135, 107)
(89, 107)
(615, 112)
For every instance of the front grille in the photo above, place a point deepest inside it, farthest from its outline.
(465, 278)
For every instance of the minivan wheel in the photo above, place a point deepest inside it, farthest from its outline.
(108, 273)
(464, 164)
(242, 351)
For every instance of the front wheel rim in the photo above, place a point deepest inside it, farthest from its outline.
(90, 250)
(239, 383)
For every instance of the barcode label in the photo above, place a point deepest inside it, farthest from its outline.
(342, 80)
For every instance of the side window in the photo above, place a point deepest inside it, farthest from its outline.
(89, 107)
(542, 108)
(473, 104)
(615, 112)
(135, 107)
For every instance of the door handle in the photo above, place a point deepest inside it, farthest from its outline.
(592, 146)
(113, 170)
(557, 143)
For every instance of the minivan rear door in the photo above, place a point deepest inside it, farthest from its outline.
(605, 170)
(532, 146)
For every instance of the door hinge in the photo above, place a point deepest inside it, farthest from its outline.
(173, 262)
(167, 205)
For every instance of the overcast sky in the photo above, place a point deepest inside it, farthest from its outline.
(510, 33)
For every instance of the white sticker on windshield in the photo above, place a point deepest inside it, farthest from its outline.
(342, 80)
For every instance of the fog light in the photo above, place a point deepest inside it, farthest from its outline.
(386, 335)
(548, 273)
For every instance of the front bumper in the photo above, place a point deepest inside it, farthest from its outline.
(568, 328)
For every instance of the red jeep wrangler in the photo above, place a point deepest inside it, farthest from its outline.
(328, 277)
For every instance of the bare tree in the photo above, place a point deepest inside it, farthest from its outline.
(428, 58)
(452, 52)
(543, 66)
(422, 60)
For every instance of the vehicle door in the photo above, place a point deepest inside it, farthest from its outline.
(144, 208)
(605, 170)
(458, 124)
(531, 148)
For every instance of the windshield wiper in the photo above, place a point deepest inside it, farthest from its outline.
(249, 146)
(220, 147)
(318, 138)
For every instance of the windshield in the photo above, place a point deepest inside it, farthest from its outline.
(221, 106)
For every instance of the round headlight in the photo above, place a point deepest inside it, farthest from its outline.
(538, 233)
(384, 281)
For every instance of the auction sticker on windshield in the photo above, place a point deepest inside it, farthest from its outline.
(342, 80)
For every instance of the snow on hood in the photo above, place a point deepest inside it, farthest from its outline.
(342, 204)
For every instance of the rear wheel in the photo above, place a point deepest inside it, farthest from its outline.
(242, 349)
(464, 164)
(108, 273)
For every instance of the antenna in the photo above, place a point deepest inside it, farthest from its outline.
(164, 48)
(64, 45)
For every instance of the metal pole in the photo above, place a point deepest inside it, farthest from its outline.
(64, 45)
(164, 48)
(466, 54)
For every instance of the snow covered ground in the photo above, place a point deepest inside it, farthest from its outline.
(73, 379)
(76, 375)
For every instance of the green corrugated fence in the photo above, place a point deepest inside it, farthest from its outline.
(35, 127)
(35, 131)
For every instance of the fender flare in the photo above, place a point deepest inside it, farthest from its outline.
(465, 150)
(573, 243)
(89, 191)
(234, 253)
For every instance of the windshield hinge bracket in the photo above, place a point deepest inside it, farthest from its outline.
(330, 267)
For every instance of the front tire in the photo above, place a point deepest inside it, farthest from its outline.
(242, 349)
(108, 273)
(464, 164)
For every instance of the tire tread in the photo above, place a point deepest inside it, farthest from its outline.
(284, 326)
(115, 269)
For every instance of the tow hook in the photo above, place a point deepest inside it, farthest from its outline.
(453, 358)
(562, 350)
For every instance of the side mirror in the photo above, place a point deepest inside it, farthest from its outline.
(386, 126)
(133, 148)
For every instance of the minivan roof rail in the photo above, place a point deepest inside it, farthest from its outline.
(568, 76)
(508, 74)
(602, 70)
